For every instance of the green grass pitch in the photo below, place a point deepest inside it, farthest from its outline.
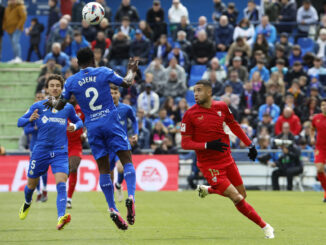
(168, 218)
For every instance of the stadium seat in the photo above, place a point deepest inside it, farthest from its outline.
(220, 55)
(142, 69)
(306, 44)
(190, 97)
(121, 70)
(196, 74)
(322, 79)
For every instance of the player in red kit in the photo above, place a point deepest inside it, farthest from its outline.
(75, 149)
(319, 125)
(202, 131)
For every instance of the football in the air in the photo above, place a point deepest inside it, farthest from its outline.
(93, 13)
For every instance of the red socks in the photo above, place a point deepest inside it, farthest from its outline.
(72, 184)
(322, 179)
(250, 213)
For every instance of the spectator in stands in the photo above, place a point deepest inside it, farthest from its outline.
(66, 45)
(126, 10)
(241, 45)
(181, 57)
(203, 25)
(146, 30)
(289, 117)
(284, 41)
(49, 68)
(173, 65)
(223, 34)
(13, 23)
(76, 11)
(107, 9)
(288, 165)
(306, 157)
(232, 14)
(245, 30)
(60, 57)
(78, 43)
(106, 28)
(184, 26)
(227, 100)
(279, 54)
(155, 19)
(234, 99)
(88, 31)
(158, 71)
(184, 43)
(261, 44)
(219, 9)
(289, 102)
(306, 17)
(296, 72)
(306, 131)
(296, 92)
(317, 69)
(269, 108)
(308, 60)
(310, 109)
(272, 9)
(164, 119)
(287, 16)
(296, 55)
(126, 28)
(34, 31)
(101, 42)
(237, 65)
(217, 86)
(260, 67)
(180, 111)
(252, 12)
(56, 25)
(314, 93)
(148, 101)
(303, 85)
(54, 15)
(314, 83)
(176, 11)
(119, 50)
(142, 117)
(170, 107)
(162, 48)
(280, 68)
(74, 67)
(258, 85)
(174, 86)
(275, 89)
(266, 29)
(202, 49)
(266, 123)
(277, 80)
(321, 44)
(59, 33)
(140, 48)
(167, 147)
(235, 83)
(143, 137)
(249, 102)
(158, 135)
(216, 68)
(98, 58)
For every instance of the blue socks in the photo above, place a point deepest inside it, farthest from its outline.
(108, 191)
(130, 177)
(28, 194)
(45, 180)
(61, 199)
(120, 178)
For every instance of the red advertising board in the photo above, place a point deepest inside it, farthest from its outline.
(153, 173)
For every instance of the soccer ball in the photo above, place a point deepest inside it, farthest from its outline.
(93, 13)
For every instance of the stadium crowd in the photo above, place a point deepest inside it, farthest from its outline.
(269, 67)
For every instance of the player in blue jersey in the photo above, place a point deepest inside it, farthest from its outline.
(105, 133)
(30, 131)
(125, 112)
(51, 147)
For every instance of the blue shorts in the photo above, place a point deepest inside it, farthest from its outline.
(113, 159)
(40, 162)
(107, 135)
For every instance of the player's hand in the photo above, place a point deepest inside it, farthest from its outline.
(34, 116)
(71, 127)
(133, 64)
(217, 145)
(252, 153)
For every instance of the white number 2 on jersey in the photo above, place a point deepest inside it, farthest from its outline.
(93, 100)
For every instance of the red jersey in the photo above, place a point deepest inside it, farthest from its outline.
(74, 137)
(206, 124)
(319, 123)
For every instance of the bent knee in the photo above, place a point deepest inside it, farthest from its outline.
(237, 198)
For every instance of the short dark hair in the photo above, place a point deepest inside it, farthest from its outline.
(55, 77)
(85, 56)
(114, 87)
(206, 83)
(323, 100)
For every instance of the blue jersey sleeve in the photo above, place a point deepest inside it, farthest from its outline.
(24, 120)
(112, 77)
(132, 116)
(66, 93)
(74, 118)
(30, 128)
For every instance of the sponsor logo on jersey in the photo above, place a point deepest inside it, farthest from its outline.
(183, 127)
(201, 117)
(219, 113)
(61, 121)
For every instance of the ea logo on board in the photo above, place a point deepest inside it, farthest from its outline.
(151, 175)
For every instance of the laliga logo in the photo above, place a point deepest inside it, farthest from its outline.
(151, 175)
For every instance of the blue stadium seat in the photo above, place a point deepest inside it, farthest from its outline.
(196, 74)
(142, 69)
(306, 44)
(322, 79)
(121, 70)
(220, 55)
(190, 97)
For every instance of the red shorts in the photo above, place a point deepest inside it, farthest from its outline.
(320, 156)
(221, 178)
(75, 150)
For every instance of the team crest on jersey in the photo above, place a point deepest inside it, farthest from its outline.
(45, 119)
(31, 172)
(219, 113)
(214, 179)
(54, 111)
(183, 127)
